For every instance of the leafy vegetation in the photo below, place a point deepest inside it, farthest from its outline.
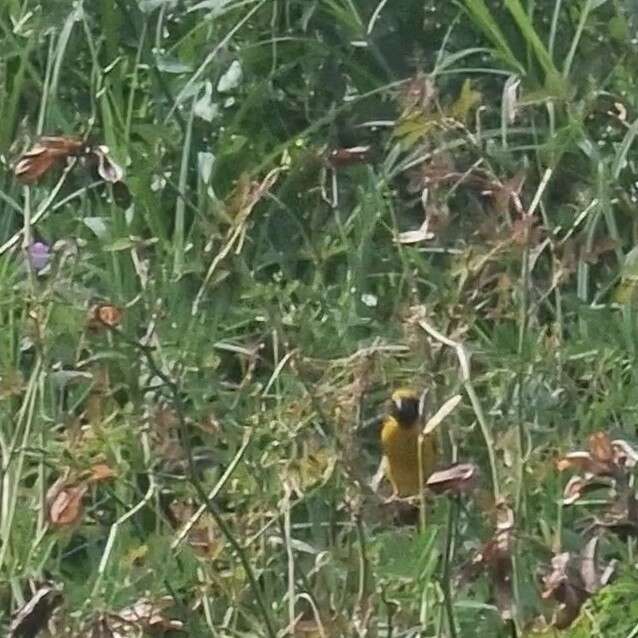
(206, 299)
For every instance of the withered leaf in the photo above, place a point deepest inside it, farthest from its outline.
(100, 472)
(557, 576)
(510, 98)
(32, 617)
(44, 155)
(146, 615)
(33, 164)
(588, 567)
(621, 517)
(583, 462)
(564, 584)
(415, 236)
(457, 478)
(495, 558)
(342, 157)
(578, 486)
(65, 503)
(107, 169)
(573, 579)
(624, 454)
(104, 315)
(605, 457)
(600, 448)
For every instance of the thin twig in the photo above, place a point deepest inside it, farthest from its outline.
(183, 533)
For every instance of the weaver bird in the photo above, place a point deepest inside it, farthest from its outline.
(400, 443)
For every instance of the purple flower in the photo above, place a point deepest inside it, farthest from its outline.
(39, 255)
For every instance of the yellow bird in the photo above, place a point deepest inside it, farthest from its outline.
(400, 443)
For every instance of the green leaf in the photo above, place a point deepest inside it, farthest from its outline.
(404, 555)
(485, 21)
(99, 226)
(468, 98)
(618, 28)
(527, 29)
(124, 243)
(627, 290)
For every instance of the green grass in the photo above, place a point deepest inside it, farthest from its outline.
(268, 310)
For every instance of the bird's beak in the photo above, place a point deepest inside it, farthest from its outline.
(398, 403)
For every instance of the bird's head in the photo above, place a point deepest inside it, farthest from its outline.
(406, 406)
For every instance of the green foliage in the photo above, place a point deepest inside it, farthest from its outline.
(270, 302)
(611, 613)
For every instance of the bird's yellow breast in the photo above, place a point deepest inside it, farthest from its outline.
(400, 445)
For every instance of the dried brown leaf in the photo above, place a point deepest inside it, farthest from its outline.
(600, 448)
(342, 157)
(583, 462)
(100, 472)
(572, 580)
(64, 145)
(44, 155)
(34, 164)
(578, 486)
(495, 557)
(33, 616)
(625, 455)
(104, 315)
(64, 503)
(589, 571)
(460, 477)
(573, 490)
(107, 169)
(557, 576)
(621, 517)
(510, 100)
(147, 615)
(504, 517)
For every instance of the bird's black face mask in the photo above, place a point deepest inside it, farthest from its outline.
(406, 410)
